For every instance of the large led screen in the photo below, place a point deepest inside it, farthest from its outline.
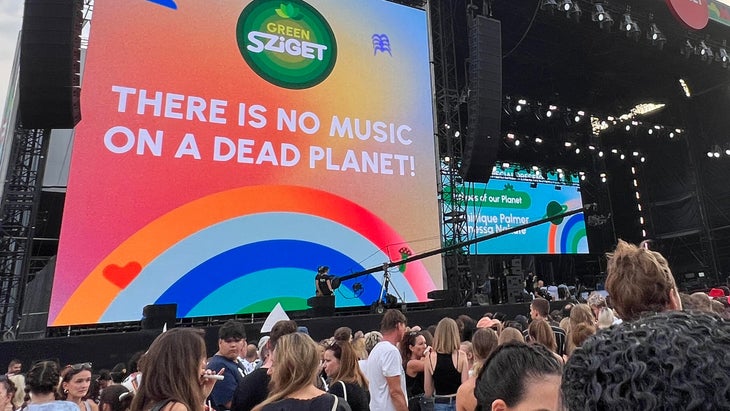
(513, 198)
(229, 148)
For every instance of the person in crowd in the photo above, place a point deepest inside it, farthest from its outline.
(104, 379)
(510, 334)
(251, 355)
(254, 388)
(118, 374)
(467, 349)
(7, 394)
(383, 369)
(135, 376)
(115, 398)
(358, 344)
(671, 360)
(346, 380)
(74, 387)
(467, 326)
(484, 342)
(446, 367)
(639, 281)
(231, 337)
(41, 383)
(413, 349)
(487, 322)
(520, 377)
(541, 333)
(175, 374)
(539, 309)
(19, 381)
(343, 334)
(580, 314)
(578, 335)
(14, 367)
(596, 302)
(323, 281)
(293, 372)
(605, 318)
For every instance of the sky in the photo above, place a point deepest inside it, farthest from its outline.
(11, 18)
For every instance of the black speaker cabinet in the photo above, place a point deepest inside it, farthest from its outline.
(155, 316)
(322, 305)
(50, 54)
(484, 103)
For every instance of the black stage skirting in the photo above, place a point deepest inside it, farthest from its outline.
(105, 350)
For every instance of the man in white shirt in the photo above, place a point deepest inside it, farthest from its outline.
(384, 370)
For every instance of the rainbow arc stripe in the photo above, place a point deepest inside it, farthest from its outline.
(212, 255)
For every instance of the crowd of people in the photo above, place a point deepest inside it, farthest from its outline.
(647, 347)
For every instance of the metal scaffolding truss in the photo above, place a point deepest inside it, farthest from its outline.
(451, 190)
(18, 208)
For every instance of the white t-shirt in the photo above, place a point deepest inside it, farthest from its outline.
(384, 361)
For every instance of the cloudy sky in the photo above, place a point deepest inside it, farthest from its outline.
(11, 17)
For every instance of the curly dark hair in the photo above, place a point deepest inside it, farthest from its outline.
(508, 371)
(670, 361)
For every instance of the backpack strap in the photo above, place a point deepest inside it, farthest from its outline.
(344, 389)
(334, 404)
(160, 405)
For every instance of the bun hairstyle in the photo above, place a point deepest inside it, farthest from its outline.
(42, 378)
(117, 396)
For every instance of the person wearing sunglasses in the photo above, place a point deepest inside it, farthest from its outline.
(74, 387)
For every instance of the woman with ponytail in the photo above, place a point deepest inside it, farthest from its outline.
(346, 380)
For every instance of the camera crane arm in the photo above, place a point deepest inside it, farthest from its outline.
(337, 280)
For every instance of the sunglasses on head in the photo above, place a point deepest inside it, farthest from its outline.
(80, 366)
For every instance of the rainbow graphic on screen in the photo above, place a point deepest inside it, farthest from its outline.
(311, 226)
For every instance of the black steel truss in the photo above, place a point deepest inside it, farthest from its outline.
(18, 208)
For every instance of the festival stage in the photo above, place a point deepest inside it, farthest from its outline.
(105, 350)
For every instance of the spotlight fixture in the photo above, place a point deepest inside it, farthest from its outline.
(600, 16)
(723, 57)
(656, 37)
(629, 26)
(705, 52)
(566, 5)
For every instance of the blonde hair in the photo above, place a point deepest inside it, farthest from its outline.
(484, 342)
(605, 318)
(446, 339)
(510, 334)
(296, 364)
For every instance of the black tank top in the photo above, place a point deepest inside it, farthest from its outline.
(446, 378)
(414, 385)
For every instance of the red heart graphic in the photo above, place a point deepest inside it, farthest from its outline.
(122, 276)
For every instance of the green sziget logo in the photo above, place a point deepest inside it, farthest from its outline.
(289, 43)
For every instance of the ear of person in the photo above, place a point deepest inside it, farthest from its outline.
(499, 405)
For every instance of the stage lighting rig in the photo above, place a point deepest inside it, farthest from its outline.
(629, 26)
(723, 57)
(705, 52)
(656, 37)
(601, 16)
(550, 5)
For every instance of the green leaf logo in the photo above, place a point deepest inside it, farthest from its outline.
(288, 11)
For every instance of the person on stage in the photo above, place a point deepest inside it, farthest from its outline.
(323, 281)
